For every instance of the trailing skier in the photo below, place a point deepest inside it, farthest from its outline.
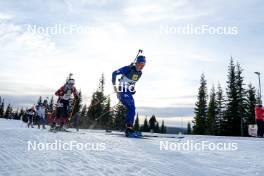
(126, 88)
(152, 123)
(63, 103)
(30, 115)
(41, 114)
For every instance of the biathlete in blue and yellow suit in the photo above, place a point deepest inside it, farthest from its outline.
(126, 88)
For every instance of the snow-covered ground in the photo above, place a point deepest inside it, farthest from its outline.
(116, 155)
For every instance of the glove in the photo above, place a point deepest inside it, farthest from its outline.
(132, 90)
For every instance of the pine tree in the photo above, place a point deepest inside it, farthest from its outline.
(97, 106)
(8, 111)
(231, 117)
(16, 115)
(201, 108)
(250, 108)
(101, 83)
(106, 119)
(2, 106)
(119, 117)
(236, 102)
(189, 129)
(220, 104)
(163, 127)
(136, 125)
(241, 100)
(211, 114)
(40, 100)
(75, 107)
(145, 126)
(99, 112)
(157, 128)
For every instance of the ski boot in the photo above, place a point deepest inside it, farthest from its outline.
(62, 127)
(53, 126)
(132, 133)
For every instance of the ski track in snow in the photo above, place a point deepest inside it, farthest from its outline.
(123, 156)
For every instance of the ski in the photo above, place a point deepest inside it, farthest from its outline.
(58, 129)
(77, 132)
(123, 135)
(66, 131)
(53, 130)
(145, 136)
(156, 136)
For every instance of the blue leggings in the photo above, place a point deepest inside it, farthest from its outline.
(128, 101)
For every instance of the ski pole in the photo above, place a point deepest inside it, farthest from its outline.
(74, 103)
(99, 101)
(110, 110)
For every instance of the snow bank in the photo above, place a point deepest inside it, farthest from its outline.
(122, 156)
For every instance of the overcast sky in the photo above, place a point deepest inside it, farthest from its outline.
(36, 61)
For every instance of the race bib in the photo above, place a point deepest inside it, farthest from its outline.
(135, 77)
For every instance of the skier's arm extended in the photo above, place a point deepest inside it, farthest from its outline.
(120, 71)
(60, 92)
